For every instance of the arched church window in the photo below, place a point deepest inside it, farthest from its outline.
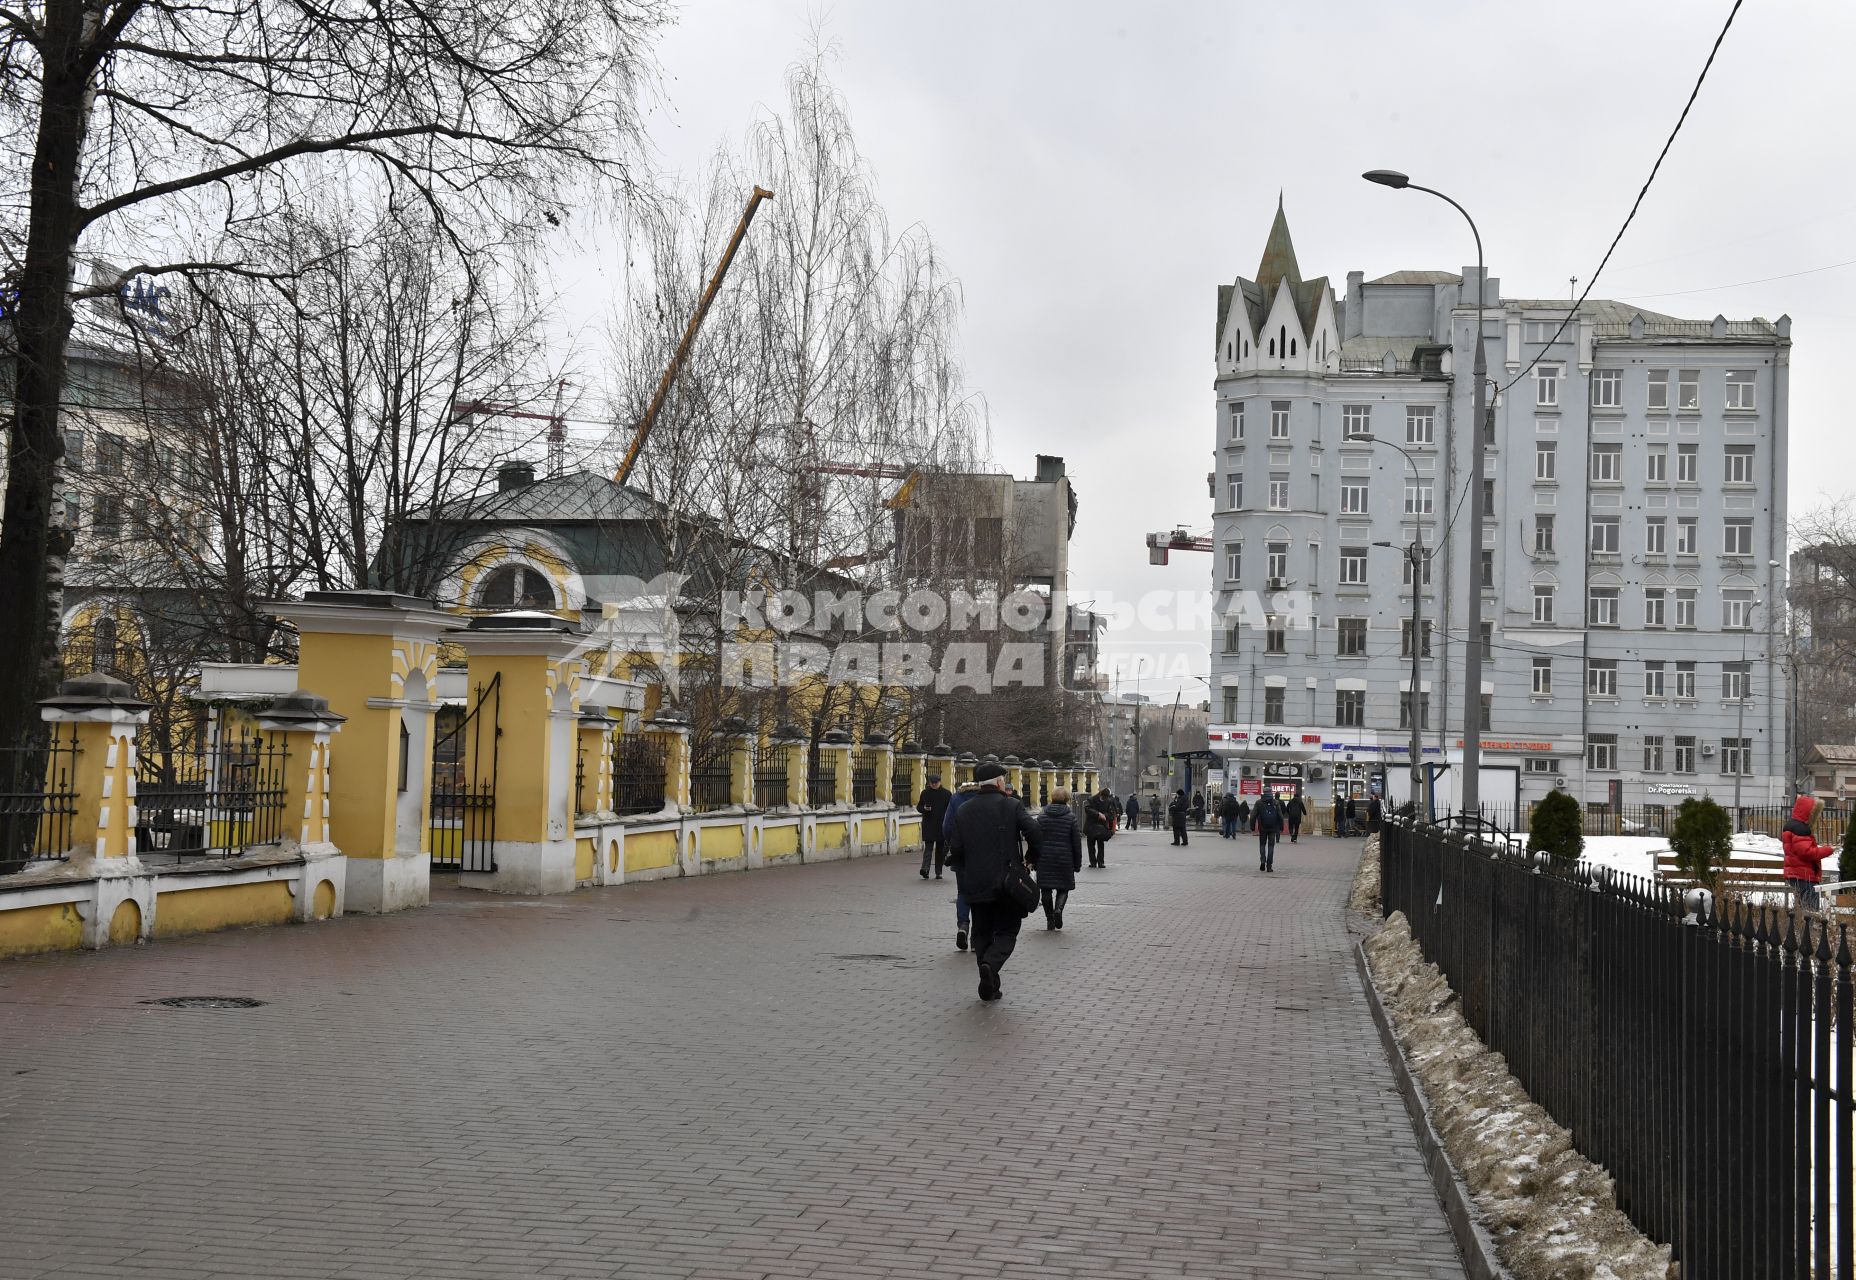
(516, 586)
(103, 645)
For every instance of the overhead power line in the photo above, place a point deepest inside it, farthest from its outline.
(1635, 204)
(1714, 288)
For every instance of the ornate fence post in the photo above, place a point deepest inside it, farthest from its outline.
(672, 730)
(941, 761)
(1015, 774)
(915, 761)
(1034, 783)
(964, 765)
(882, 752)
(103, 717)
(593, 761)
(306, 725)
(1092, 778)
(791, 739)
(740, 760)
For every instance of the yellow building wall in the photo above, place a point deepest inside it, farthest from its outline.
(650, 850)
(28, 931)
(345, 670)
(833, 835)
(586, 855)
(779, 842)
(183, 911)
(718, 843)
(872, 831)
(909, 831)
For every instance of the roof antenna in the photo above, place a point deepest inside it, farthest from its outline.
(1572, 289)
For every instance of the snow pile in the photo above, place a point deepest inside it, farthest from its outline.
(1551, 1212)
(1365, 894)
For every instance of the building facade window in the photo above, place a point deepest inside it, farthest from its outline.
(1736, 756)
(1688, 390)
(1601, 677)
(1684, 761)
(1352, 637)
(1736, 611)
(1275, 636)
(1738, 464)
(1543, 535)
(1653, 682)
(1279, 493)
(1736, 536)
(1277, 561)
(1235, 492)
(1607, 388)
(1602, 607)
(1652, 753)
(1741, 394)
(1488, 570)
(1420, 424)
(1350, 708)
(1688, 542)
(1353, 566)
(1685, 682)
(1547, 385)
(1273, 698)
(1543, 603)
(1540, 764)
(1605, 535)
(1736, 681)
(1425, 561)
(1355, 494)
(1688, 469)
(1656, 465)
(1418, 497)
(1488, 642)
(1356, 420)
(1657, 397)
(1546, 460)
(1601, 752)
(1233, 562)
(1685, 608)
(1235, 429)
(1404, 710)
(1279, 419)
(1656, 536)
(1404, 638)
(1655, 600)
(1543, 677)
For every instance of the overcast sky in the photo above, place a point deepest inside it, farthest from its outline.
(1093, 171)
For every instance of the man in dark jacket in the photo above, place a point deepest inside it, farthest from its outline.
(1176, 814)
(1098, 825)
(1293, 813)
(1227, 816)
(1153, 810)
(933, 808)
(1268, 818)
(1134, 813)
(1375, 814)
(987, 830)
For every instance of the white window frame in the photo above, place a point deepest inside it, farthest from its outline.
(1601, 677)
(1655, 680)
(1742, 390)
(1688, 535)
(1543, 677)
(1653, 753)
(1420, 424)
(1353, 566)
(1276, 559)
(1547, 386)
(1234, 561)
(1683, 753)
(1607, 388)
(1235, 431)
(1356, 493)
(1544, 603)
(1607, 464)
(1279, 419)
(1688, 390)
(1342, 632)
(1736, 536)
(1543, 524)
(1601, 607)
(1736, 611)
(1656, 395)
(1356, 420)
(1655, 608)
(1685, 609)
(1685, 682)
(1656, 465)
(1736, 681)
(1656, 536)
(1688, 464)
(1605, 535)
(1420, 497)
(1234, 491)
(1737, 464)
(1279, 493)
(1546, 461)
(1601, 752)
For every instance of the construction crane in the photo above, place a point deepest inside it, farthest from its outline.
(1159, 544)
(910, 477)
(557, 422)
(643, 431)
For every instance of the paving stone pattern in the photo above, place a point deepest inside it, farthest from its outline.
(782, 1073)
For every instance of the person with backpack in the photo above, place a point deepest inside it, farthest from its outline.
(1060, 855)
(1804, 856)
(1268, 819)
(1293, 813)
(1099, 826)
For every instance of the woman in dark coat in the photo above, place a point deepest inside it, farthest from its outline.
(1134, 813)
(1098, 825)
(1060, 855)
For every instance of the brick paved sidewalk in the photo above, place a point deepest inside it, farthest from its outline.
(775, 1074)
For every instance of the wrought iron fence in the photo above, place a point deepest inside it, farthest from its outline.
(38, 800)
(821, 777)
(901, 779)
(214, 802)
(770, 777)
(638, 772)
(710, 783)
(465, 757)
(1703, 1057)
(863, 777)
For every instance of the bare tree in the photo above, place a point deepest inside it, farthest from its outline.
(136, 118)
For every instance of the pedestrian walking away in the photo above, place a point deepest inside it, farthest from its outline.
(988, 827)
(1176, 814)
(1099, 826)
(1134, 813)
(1198, 810)
(1243, 815)
(962, 914)
(1293, 813)
(1350, 815)
(1060, 855)
(1804, 856)
(1227, 817)
(1268, 819)
(933, 808)
(1375, 813)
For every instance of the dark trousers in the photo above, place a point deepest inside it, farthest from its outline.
(1179, 831)
(995, 932)
(1098, 851)
(1295, 829)
(1228, 828)
(1054, 900)
(1266, 848)
(1134, 820)
(935, 848)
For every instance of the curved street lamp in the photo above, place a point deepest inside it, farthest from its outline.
(1469, 793)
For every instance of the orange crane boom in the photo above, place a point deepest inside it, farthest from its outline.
(643, 431)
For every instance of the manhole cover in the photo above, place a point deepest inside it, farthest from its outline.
(868, 956)
(207, 1002)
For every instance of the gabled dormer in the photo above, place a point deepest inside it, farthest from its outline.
(1278, 321)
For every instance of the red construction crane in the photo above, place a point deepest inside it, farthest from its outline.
(1159, 544)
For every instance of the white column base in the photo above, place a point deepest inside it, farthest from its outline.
(375, 886)
(527, 866)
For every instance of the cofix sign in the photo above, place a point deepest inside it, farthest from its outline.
(1271, 740)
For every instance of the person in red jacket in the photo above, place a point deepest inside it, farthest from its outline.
(1804, 856)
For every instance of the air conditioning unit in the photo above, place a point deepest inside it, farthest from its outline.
(1277, 584)
(1560, 783)
(1248, 772)
(1707, 748)
(1316, 773)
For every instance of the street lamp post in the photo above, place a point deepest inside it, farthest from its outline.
(1469, 793)
(1414, 556)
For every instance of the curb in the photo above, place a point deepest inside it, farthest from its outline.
(1473, 1241)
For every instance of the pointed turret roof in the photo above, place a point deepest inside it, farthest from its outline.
(1278, 255)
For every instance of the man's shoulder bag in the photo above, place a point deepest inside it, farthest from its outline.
(1018, 888)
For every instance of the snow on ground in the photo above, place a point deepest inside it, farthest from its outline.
(1552, 1213)
(1636, 855)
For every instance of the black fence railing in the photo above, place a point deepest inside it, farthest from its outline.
(216, 802)
(901, 779)
(38, 800)
(770, 778)
(1702, 1055)
(638, 772)
(821, 777)
(709, 784)
(1828, 824)
(863, 778)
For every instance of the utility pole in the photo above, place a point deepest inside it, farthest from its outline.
(1421, 800)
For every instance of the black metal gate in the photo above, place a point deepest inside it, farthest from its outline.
(464, 785)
